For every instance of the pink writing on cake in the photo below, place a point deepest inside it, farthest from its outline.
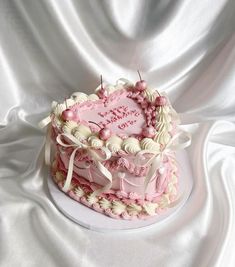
(126, 124)
(122, 115)
(117, 114)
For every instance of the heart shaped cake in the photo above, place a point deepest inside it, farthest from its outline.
(115, 149)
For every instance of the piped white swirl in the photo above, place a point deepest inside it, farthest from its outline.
(149, 144)
(69, 126)
(114, 143)
(79, 192)
(150, 94)
(82, 132)
(95, 142)
(79, 97)
(93, 97)
(110, 88)
(69, 102)
(131, 145)
(171, 189)
(118, 207)
(105, 204)
(163, 138)
(92, 199)
(133, 209)
(150, 208)
(163, 109)
(58, 109)
(165, 201)
(164, 118)
(79, 136)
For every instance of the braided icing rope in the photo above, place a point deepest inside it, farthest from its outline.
(97, 158)
(155, 161)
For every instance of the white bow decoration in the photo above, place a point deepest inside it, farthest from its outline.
(155, 161)
(96, 157)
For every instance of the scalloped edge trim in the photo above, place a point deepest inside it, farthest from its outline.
(116, 209)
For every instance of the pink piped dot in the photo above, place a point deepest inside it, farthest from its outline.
(119, 194)
(134, 195)
(148, 197)
(172, 198)
(77, 198)
(85, 202)
(126, 216)
(161, 101)
(144, 105)
(140, 201)
(97, 207)
(71, 194)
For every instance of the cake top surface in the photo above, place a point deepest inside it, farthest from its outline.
(125, 118)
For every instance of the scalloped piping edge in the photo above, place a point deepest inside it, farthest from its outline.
(116, 209)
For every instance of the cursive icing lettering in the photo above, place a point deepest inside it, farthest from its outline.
(117, 114)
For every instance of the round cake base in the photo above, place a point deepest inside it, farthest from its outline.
(93, 220)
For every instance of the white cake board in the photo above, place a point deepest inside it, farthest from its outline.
(93, 220)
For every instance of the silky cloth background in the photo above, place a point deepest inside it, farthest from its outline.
(51, 48)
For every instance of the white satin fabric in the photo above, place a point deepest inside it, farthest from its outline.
(51, 48)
